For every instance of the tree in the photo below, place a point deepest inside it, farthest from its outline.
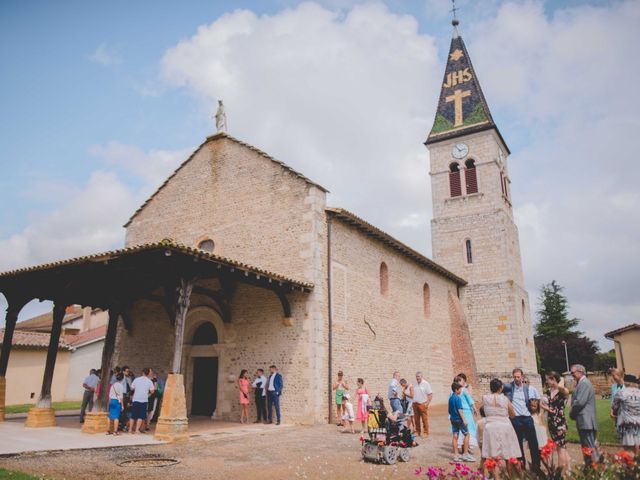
(554, 326)
(553, 316)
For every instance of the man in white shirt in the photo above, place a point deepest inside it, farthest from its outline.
(141, 387)
(422, 395)
(260, 392)
(90, 383)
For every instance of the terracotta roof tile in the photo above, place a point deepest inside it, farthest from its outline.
(33, 340)
(85, 337)
(43, 322)
(612, 333)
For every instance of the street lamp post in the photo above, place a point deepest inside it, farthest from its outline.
(566, 355)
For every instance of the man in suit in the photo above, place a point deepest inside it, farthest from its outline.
(583, 411)
(274, 390)
(519, 393)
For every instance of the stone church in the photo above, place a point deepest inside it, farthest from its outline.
(315, 289)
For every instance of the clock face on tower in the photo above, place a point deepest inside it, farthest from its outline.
(460, 150)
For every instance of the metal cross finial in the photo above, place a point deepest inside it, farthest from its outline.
(455, 21)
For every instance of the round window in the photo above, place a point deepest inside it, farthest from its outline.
(206, 245)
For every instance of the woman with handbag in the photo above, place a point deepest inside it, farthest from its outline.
(243, 386)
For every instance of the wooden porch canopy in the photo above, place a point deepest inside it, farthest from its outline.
(165, 272)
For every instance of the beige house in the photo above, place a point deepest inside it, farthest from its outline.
(26, 367)
(627, 346)
(237, 261)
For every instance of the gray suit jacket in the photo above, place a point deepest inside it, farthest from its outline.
(583, 406)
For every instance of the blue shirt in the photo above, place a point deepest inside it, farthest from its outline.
(519, 403)
(393, 389)
(455, 404)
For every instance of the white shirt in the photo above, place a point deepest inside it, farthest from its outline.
(271, 380)
(116, 391)
(91, 381)
(262, 380)
(421, 391)
(141, 387)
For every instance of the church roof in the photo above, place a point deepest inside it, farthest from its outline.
(213, 138)
(33, 340)
(462, 108)
(374, 232)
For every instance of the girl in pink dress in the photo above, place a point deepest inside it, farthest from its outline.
(363, 400)
(243, 386)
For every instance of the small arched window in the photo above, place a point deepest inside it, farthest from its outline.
(523, 310)
(384, 279)
(504, 194)
(468, 252)
(207, 245)
(206, 334)
(454, 180)
(470, 176)
(426, 300)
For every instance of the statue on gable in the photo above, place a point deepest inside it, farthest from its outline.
(221, 118)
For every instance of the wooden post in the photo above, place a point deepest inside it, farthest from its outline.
(173, 424)
(184, 290)
(42, 415)
(13, 309)
(96, 421)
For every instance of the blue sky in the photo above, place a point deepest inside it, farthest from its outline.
(101, 100)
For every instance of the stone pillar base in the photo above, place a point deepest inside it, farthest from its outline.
(95, 422)
(3, 389)
(41, 417)
(173, 424)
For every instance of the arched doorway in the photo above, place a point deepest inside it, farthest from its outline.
(205, 372)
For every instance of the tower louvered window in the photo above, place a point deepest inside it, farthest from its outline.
(470, 177)
(454, 180)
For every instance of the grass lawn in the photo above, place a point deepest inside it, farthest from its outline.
(25, 408)
(606, 427)
(9, 474)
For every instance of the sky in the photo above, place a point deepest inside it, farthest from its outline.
(101, 101)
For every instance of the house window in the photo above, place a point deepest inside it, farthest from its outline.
(467, 247)
(454, 180)
(206, 245)
(470, 176)
(426, 300)
(384, 279)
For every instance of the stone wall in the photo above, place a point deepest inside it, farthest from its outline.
(375, 334)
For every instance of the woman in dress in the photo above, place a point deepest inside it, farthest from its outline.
(557, 399)
(363, 401)
(407, 402)
(499, 439)
(469, 411)
(243, 386)
(626, 407)
(340, 386)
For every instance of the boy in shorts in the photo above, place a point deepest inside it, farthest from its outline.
(458, 425)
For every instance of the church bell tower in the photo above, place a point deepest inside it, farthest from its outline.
(473, 231)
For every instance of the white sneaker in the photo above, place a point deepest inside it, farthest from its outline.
(468, 457)
(457, 458)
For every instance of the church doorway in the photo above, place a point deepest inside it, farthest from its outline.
(205, 386)
(204, 392)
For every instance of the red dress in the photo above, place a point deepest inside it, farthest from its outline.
(243, 383)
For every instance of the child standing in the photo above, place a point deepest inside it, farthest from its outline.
(347, 409)
(458, 425)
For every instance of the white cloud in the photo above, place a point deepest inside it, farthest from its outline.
(104, 56)
(346, 97)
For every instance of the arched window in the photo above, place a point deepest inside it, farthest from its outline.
(426, 300)
(205, 334)
(523, 310)
(384, 279)
(454, 180)
(207, 245)
(470, 176)
(469, 253)
(502, 184)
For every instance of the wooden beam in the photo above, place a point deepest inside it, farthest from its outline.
(101, 404)
(44, 401)
(14, 306)
(183, 298)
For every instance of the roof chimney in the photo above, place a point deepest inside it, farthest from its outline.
(86, 319)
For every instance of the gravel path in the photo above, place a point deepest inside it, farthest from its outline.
(275, 453)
